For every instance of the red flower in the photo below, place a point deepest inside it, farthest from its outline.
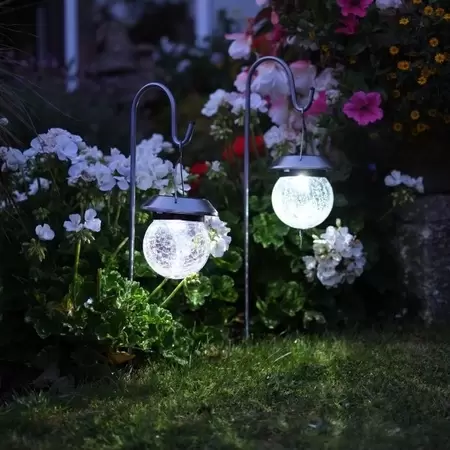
(237, 149)
(200, 169)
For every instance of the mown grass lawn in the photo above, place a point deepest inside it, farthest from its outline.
(376, 391)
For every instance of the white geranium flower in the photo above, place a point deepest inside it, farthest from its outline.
(91, 221)
(396, 178)
(241, 81)
(216, 166)
(14, 160)
(73, 225)
(393, 179)
(338, 258)
(183, 65)
(56, 140)
(241, 47)
(66, 148)
(237, 102)
(105, 179)
(19, 196)
(216, 99)
(44, 232)
(413, 183)
(218, 232)
(271, 80)
(147, 149)
(37, 184)
(122, 183)
(273, 136)
(279, 111)
(304, 75)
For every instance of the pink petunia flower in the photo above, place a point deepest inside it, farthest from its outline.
(364, 108)
(349, 25)
(355, 7)
(319, 105)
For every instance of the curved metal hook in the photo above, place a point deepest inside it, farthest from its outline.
(173, 113)
(290, 79)
(247, 113)
(179, 143)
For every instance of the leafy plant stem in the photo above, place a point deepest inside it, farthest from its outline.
(173, 293)
(116, 218)
(159, 287)
(77, 259)
(117, 250)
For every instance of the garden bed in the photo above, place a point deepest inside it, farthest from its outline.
(376, 391)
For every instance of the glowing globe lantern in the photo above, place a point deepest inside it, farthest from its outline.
(302, 197)
(177, 244)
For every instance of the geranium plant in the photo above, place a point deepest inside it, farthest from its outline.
(64, 220)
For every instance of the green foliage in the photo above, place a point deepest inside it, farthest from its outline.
(367, 391)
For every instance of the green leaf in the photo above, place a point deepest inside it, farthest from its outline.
(231, 261)
(340, 201)
(260, 204)
(356, 48)
(293, 299)
(268, 230)
(223, 288)
(313, 316)
(196, 289)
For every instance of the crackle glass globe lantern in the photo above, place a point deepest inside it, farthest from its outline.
(177, 244)
(302, 197)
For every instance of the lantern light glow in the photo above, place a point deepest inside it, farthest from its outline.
(302, 201)
(176, 249)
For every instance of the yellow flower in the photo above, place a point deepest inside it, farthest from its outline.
(394, 50)
(397, 127)
(439, 12)
(428, 10)
(403, 65)
(325, 48)
(439, 58)
(447, 118)
(404, 21)
(447, 16)
(417, 2)
(415, 114)
(422, 80)
(396, 93)
(432, 112)
(433, 42)
(421, 127)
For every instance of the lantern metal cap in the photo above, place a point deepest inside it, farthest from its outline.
(179, 206)
(294, 164)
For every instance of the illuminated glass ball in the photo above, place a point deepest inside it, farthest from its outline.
(302, 201)
(176, 249)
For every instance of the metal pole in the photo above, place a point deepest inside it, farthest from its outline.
(133, 125)
(247, 115)
(71, 44)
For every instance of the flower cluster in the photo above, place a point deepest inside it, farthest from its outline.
(96, 176)
(218, 233)
(89, 165)
(396, 178)
(338, 258)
